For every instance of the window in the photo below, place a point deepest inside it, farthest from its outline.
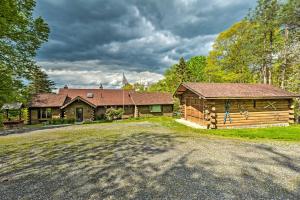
(155, 108)
(254, 103)
(45, 113)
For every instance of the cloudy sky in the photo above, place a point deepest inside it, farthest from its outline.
(93, 41)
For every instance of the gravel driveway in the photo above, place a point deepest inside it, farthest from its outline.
(149, 161)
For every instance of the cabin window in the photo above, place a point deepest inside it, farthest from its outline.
(45, 113)
(155, 108)
(254, 103)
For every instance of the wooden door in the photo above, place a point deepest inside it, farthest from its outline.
(79, 114)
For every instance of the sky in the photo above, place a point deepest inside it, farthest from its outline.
(95, 41)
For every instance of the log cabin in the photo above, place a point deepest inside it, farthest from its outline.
(91, 104)
(232, 105)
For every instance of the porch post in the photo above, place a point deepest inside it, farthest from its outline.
(136, 111)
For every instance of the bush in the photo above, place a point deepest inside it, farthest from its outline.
(61, 121)
(113, 114)
(70, 121)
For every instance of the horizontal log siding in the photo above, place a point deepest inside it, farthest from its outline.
(259, 115)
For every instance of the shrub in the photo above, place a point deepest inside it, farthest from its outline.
(112, 114)
(70, 121)
(61, 121)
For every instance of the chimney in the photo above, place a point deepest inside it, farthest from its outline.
(65, 87)
(101, 86)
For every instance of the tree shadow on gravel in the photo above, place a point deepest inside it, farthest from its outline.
(139, 166)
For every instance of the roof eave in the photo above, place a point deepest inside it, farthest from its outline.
(78, 98)
(269, 97)
(189, 88)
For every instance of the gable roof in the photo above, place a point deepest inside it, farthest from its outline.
(101, 97)
(12, 106)
(151, 98)
(47, 100)
(76, 99)
(234, 90)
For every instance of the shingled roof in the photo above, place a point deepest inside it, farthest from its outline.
(151, 98)
(48, 100)
(234, 90)
(100, 97)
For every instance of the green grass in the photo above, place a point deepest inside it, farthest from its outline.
(290, 133)
(23, 149)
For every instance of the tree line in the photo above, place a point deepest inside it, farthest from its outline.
(264, 47)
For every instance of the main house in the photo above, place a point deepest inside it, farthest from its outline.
(226, 105)
(91, 104)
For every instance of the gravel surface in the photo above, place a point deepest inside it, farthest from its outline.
(149, 162)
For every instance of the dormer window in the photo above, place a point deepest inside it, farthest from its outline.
(90, 95)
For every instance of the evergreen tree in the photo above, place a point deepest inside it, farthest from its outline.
(182, 70)
(40, 82)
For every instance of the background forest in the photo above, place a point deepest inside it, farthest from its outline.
(262, 48)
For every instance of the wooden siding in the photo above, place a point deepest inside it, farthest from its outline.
(192, 108)
(247, 113)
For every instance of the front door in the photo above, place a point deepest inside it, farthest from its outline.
(79, 114)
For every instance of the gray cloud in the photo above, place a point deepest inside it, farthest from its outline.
(133, 36)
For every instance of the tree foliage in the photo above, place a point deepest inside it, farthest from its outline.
(20, 37)
(190, 71)
(40, 82)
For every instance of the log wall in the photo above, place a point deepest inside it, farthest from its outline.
(249, 112)
(252, 112)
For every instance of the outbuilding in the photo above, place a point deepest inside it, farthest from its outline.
(229, 105)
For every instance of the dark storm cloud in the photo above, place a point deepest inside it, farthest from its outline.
(132, 35)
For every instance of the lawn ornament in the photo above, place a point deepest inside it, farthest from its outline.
(243, 111)
(271, 105)
(227, 111)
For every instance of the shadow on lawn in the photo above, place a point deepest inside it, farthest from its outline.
(138, 166)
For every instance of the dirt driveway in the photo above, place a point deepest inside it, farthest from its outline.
(142, 160)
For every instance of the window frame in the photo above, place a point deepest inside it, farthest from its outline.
(153, 111)
(45, 113)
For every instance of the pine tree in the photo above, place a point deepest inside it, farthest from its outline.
(182, 70)
(40, 82)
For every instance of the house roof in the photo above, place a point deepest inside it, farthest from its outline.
(101, 97)
(234, 90)
(151, 98)
(48, 100)
(12, 106)
(78, 98)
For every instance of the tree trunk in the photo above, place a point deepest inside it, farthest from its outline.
(270, 57)
(284, 65)
(264, 66)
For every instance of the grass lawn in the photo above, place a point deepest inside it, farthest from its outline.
(154, 158)
(290, 133)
